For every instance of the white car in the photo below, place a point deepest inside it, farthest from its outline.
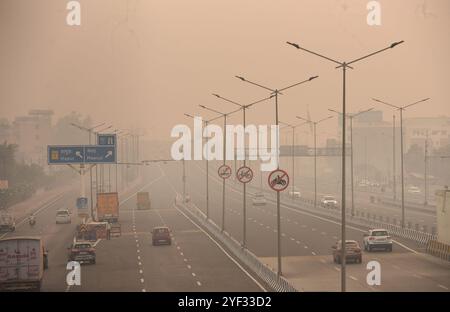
(63, 216)
(295, 193)
(377, 239)
(329, 201)
(413, 190)
(259, 200)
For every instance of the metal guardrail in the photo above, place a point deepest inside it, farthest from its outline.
(277, 283)
(362, 219)
(439, 249)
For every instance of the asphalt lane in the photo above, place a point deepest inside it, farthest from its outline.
(308, 237)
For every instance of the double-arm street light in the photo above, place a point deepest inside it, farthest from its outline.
(314, 123)
(344, 66)
(401, 109)
(351, 116)
(293, 127)
(206, 122)
(224, 115)
(243, 107)
(274, 93)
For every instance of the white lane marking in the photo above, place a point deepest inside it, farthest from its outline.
(141, 272)
(442, 286)
(292, 239)
(178, 247)
(353, 278)
(218, 245)
(185, 260)
(138, 251)
(337, 269)
(140, 263)
(298, 242)
(322, 260)
(189, 267)
(139, 257)
(182, 254)
(193, 274)
(306, 247)
(142, 280)
(313, 253)
(143, 290)
(283, 234)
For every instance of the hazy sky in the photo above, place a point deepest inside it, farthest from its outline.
(145, 63)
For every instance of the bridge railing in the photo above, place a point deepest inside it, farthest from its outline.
(245, 256)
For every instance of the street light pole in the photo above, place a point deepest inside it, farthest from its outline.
(244, 203)
(275, 92)
(393, 159)
(344, 66)
(351, 116)
(401, 109)
(314, 123)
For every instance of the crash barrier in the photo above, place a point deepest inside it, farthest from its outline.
(438, 249)
(277, 283)
(116, 230)
(91, 231)
(362, 219)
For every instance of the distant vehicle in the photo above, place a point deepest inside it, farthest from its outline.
(377, 239)
(63, 216)
(82, 251)
(7, 223)
(143, 201)
(108, 207)
(413, 190)
(259, 200)
(295, 193)
(161, 235)
(329, 201)
(352, 251)
(22, 263)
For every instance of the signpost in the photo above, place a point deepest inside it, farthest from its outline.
(278, 180)
(244, 174)
(224, 171)
(106, 139)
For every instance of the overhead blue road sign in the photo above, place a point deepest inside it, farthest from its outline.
(106, 139)
(82, 202)
(65, 154)
(81, 154)
(99, 154)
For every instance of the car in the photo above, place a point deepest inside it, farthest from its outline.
(161, 236)
(7, 223)
(377, 239)
(413, 190)
(295, 193)
(82, 251)
(259, 200)
(352, 251)
(329, 201)
(63, 216)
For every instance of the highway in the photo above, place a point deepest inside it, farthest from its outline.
(307, 240)
(130, 263)
(195, 262)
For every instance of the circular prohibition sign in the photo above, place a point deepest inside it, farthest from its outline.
(224, 171)
(244, 174)
(278, 180)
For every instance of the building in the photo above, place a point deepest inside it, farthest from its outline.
(32, 134)
(437, 129)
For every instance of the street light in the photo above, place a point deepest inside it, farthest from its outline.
(344, 66)
(244, 205)
(274, 93)
(224, 115)
(351, 116)
(401, 109)
(315, 152)
(206, 122)
(293, 127)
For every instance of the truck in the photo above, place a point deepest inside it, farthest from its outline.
(108, 207)
(143, 201)
(22, 263)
